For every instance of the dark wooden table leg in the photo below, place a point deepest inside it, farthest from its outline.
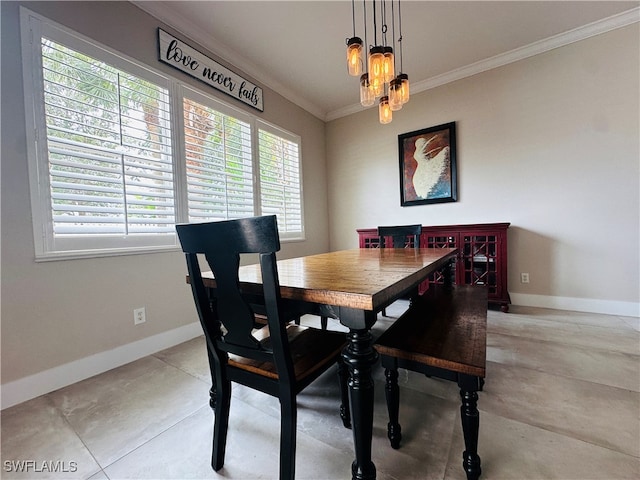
(359, 356)
(470, 425)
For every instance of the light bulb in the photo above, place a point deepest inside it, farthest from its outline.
(367, 95)
(395, 94)
(404, 79)
(384, 111)
(376, 67)
(387, 65)
(354, 62)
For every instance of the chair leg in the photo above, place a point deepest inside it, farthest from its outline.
(323, 322)
(345, 411)
(384, 312)
(288, 422)
(470, 428)
(392, 393)
(221, 423)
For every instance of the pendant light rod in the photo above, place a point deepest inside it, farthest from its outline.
(400, 38)
(375, 26)
(353, 16)
(383, 18)
(393, 30)
(366, 45)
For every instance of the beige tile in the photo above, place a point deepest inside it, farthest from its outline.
(600, 366)
(633, 322)
(36, 432)
(514, 450)
(120, 410)
(598, 414)
(99, 476)
(184, 451)
(623, 340)
(190, 357)
(427, 424)
(564, 316)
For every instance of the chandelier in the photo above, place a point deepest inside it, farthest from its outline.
(379, 81)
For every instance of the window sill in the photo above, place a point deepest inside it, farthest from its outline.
(113, 252)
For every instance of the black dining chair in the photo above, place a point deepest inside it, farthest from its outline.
(401, 236)
(279, 359)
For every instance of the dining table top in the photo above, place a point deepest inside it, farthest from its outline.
(362, 278)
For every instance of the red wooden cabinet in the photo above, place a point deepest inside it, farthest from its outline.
(482, 259)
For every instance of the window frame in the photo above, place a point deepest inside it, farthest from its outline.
(47, 247)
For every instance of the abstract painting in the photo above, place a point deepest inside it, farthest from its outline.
(428, 165)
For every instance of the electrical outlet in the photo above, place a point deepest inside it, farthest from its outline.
(524, 278)
(139, 316)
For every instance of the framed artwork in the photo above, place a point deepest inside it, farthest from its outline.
(428, 165)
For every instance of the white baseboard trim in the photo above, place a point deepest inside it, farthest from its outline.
(607, 307)
(55, 378)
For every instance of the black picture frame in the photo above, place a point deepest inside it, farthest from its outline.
(428, 172)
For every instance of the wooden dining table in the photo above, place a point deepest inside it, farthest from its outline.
(355, 285)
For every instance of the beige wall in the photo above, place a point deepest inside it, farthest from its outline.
(58, 312)
(550, 144)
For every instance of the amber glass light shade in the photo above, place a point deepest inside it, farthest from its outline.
(377, 86)
(384, 110)
(404, 79)
(354, 58)
(395, 94)
(367, 95)
(388, 65)
(376, 66)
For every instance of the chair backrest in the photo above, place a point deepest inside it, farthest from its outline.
(222, 244)
(403, 236)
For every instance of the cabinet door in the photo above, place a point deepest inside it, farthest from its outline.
(441, 240)
(481, 261)
(367, 241)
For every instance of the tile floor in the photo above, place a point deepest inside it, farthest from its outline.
(561, 401)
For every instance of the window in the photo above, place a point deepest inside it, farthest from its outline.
(280, 189)
(108, 145)
(219, 163)
(120, 153)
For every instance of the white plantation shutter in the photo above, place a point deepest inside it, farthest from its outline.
(218, 164)
(280, 184)
(109, 147)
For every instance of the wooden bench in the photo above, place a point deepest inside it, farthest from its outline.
(443, 334)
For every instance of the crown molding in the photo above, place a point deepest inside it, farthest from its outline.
(581, 33)
(179, 23)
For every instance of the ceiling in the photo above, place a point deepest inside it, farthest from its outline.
(297, 48)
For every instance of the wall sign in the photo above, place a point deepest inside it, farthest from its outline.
(183, 57)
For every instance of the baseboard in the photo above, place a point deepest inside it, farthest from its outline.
(607, 307)
(47, 381)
